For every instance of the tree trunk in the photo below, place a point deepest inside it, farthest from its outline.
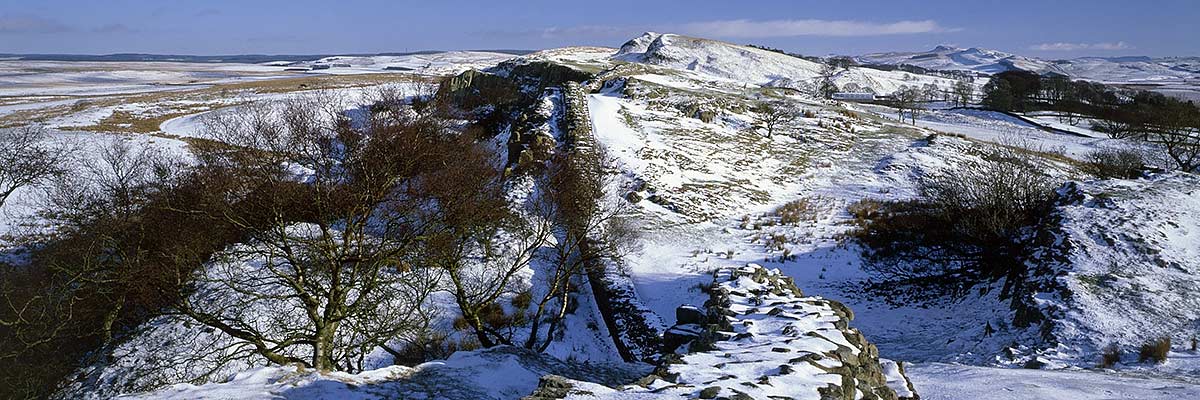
(323, 347)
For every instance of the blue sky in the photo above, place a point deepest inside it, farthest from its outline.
(1051, 29)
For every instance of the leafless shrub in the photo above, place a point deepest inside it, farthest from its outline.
(966, 220)
(865, 210)
(1114, 163)
(991, 200)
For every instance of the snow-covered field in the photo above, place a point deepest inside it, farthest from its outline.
(937, 381)
(67, 78)
(446, 63)
(494, 374)
(42, 78)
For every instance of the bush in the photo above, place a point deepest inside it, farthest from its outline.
(1110, 356)
(1156, 350)
(993, 200)
(966, 221)
(1114, 163)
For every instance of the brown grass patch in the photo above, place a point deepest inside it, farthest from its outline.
(1110, 356)
(1156, 350)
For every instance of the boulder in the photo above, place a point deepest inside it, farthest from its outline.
(679, 335)
(689, 314)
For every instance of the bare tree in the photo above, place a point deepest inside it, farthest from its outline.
(26, 159)
(825, 84)
(1176, 127)
(773, 117)
(402, 101)
(907, 98)
(930, 92)
(336, 264)
(1181, 145)
(589, 230)
(964, 92)
(82, 282)
(483, 253)
(1115, 129)
(842, 62)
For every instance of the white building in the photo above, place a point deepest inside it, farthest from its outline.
(847, 96)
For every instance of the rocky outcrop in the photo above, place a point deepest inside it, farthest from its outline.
(473, 89)
(634, 330)
(538, 75)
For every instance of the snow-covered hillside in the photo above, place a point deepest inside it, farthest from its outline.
(500, 373)
(1100, 69)
(726, 60)
(1127, 70)
(1128, 264)
(684, 172)
(751, 229)
(749, 65)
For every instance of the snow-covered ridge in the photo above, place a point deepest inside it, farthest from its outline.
(749, 65)
(716, 58)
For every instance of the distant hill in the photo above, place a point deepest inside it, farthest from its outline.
(945, 58)
(235, 58)
(1130, 69)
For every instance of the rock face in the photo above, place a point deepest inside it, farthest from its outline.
(761, 338)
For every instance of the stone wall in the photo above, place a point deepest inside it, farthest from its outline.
(759, 337)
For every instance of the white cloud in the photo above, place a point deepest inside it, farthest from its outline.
(1063, 46)
(582, 32)
(30, 24)
(585, 31)
(740, 28)
(743, 28)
